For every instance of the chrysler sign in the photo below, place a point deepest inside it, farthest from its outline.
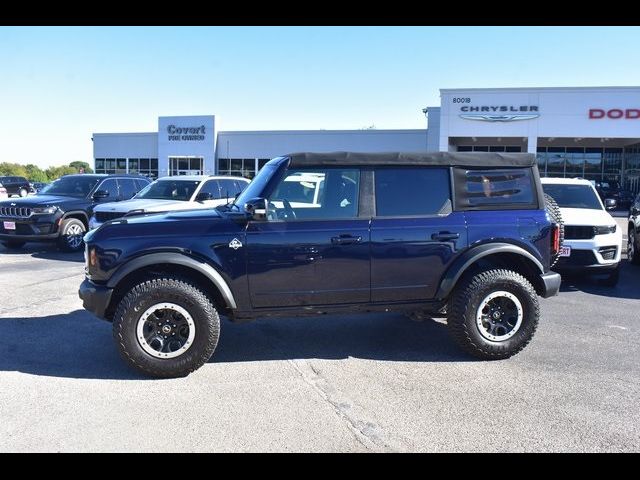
(499, 113)
(614, 113)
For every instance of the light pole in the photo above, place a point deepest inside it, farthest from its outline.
(425, 110)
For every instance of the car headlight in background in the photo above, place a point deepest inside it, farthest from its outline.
(44, 210)
(603, 230)
(134, 212)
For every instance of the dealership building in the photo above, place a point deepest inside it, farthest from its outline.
(589, 132)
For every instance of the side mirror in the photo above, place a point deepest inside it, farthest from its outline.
(204, 196)
(257, 209)
(610, 203)
(100, 194)
(634, 211)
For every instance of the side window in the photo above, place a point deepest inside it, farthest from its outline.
(316, 194)
(212, 187)
(110, 186)
(478, 188)
(412, 191)
(127, 188)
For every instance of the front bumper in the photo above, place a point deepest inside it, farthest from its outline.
(593, 255)
(95, 298)
(551, 284)
(36, 228)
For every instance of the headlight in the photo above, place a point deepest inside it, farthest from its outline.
(44, 210)
(603, 230)
(134, 212)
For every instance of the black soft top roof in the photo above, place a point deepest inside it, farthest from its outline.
(458, 159)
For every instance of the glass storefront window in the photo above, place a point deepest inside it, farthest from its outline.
(555, 164)
(574, 166)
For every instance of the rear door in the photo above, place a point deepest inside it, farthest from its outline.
(415, 234)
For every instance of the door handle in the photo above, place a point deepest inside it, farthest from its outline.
(442, 236)
(346, 240)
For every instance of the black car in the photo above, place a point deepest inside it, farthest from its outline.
(468, 236)
(633, 232)
(612, 189)
(38, 186)
(61, 211)
(15, 185)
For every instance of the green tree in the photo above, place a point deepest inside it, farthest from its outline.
(79, 164)
(35, 173)
(16, 169)
(54, 173)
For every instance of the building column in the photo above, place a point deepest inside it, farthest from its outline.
(532, 144)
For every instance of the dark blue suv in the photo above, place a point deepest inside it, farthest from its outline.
(466, 235)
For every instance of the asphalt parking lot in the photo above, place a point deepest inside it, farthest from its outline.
(341, 383)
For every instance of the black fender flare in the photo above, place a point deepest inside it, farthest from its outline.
(72, 213)
(176, 258)
(464, 261)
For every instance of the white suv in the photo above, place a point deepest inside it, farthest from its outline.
(592, 240)
(183, 192)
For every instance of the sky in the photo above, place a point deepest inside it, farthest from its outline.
(58, 85)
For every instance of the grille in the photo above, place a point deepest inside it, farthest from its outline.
(578, 257)
(15, 212)
(106, 216)
(608, 253)
(578, 232)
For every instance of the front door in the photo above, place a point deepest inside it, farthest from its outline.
(314, 248)
(186, 165)
(415, 235)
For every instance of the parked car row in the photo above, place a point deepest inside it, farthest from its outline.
(66, 209)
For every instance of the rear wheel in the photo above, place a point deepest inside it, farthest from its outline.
(13, 244)
(24, 192)
(166, 327)
(493, 314)
(71, 236)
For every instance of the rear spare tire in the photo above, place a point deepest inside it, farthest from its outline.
(552, 208)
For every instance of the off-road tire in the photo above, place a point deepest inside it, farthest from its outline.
(13, 245)
(633, 256)
(556, 216)
(466, 299)
(63, 239)
(180, 292)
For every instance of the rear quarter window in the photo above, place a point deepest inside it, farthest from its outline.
(402, 192)
(495, 188)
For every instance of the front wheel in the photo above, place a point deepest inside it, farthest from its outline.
(72, 232)
(24, 192)
(166, 327)
(633, 255)
(493, 314)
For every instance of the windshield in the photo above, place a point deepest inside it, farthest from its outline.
(71, 186)
(256, 187)
(573, 196)
(179, 190)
